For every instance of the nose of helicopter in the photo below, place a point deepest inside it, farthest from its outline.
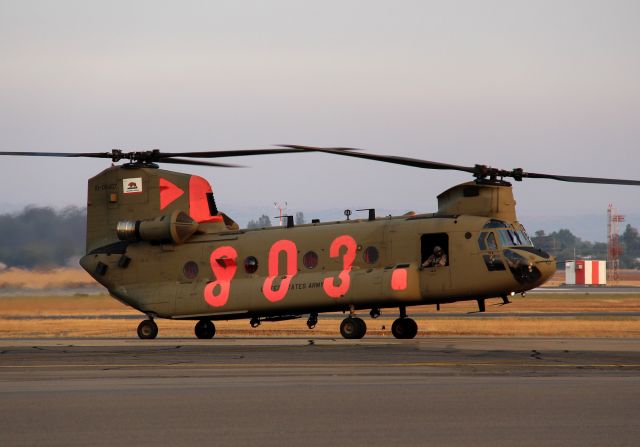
(547, 267)
(531, 267)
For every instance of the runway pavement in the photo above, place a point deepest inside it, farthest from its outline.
(321, 391)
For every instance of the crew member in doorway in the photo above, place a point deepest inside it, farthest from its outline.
(437, 259)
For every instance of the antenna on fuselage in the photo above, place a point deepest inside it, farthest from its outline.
(281, 207)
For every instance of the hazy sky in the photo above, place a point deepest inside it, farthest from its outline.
(549, 86)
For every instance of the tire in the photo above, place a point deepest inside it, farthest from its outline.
(147, 330)
(362, 327)
(205, 329)
(412, 328)
(404, 328)
(353, 328)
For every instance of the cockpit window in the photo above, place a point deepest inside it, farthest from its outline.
(491, 242)
(494, 223)
(527, 240)
(481, 243)
(487, 241)
(513, 238)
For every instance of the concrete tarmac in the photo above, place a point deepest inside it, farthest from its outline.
(322, 391)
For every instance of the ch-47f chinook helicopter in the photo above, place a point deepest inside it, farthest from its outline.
(158, 243)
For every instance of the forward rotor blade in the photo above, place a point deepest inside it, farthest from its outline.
(405, 161)
(60, 154)
(178, 161)
(575, 179)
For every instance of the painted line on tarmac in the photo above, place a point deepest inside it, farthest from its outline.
(325, 366)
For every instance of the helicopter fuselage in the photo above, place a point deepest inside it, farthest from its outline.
(319, 267)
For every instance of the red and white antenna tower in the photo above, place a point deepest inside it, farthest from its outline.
(281, 207)
(614, 248)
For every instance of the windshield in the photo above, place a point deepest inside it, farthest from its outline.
(514, 238)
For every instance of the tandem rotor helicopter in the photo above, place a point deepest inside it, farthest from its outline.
(157, 241)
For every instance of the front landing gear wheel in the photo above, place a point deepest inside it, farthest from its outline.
(404, 328)
(353, 328)
(147, 329)
(205, 329)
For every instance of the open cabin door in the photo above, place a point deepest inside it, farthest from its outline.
(435, 276)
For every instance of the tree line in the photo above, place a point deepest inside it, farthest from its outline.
(565, 245)
(41, 237)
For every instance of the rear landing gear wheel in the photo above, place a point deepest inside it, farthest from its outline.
(147, 329)
(205, 329)
(353, 328)
(404, 328)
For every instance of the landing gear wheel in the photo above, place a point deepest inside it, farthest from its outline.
(147, 329)
(404, 328)
(353, 328)
(205, 329)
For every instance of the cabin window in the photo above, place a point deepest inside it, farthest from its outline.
(371, 255)
(190, 270)
(250, 264)
(310, 259)
(428, 243)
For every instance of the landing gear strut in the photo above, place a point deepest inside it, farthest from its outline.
(404, 327)
(205, 329)
(312, 321)
(147, 329)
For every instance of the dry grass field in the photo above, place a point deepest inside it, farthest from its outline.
(16, 278)
(102, 316)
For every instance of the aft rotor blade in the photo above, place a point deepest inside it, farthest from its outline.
(237, 153)
(575, 179)
(405, 161)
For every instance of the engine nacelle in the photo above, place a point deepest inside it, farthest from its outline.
(176, 227)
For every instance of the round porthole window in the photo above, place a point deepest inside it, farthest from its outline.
(190, 270)
(310, 259)
(371, 255)
(250, 264)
